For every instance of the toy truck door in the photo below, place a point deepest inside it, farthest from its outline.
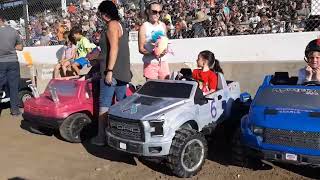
(211, 111)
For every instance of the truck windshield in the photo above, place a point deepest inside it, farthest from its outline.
(163, 89)
(289, 98)
(64, 88)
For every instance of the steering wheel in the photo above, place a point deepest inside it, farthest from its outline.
(312, 83)
(186, 78)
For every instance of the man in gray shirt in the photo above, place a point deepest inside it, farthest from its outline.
(9, 66)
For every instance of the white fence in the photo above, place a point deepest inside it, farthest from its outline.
(268, 47)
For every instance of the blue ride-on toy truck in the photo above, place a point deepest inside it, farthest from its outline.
(283, 123)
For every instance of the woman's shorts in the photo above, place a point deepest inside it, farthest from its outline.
(156, 70)
(107, 93)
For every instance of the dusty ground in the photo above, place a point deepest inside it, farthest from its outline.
(27, 156)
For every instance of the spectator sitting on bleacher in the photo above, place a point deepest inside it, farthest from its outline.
(44, 38)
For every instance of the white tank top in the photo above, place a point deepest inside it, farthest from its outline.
(150, 31)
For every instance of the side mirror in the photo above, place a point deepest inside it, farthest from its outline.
(54, 95)
(2, 94)
(244, 97)
(203, 101)
(34, 90)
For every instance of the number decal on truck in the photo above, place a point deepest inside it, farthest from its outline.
(213, 109)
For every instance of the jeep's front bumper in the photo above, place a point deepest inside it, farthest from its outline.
(278, 156)
(258, 147)
(137, 147)
(4, 100)
(40, 121)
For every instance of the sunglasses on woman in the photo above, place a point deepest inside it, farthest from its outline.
(154, 12)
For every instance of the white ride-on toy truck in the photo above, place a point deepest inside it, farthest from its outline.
(169, 119)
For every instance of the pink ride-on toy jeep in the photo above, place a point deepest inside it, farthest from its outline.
(67, 105)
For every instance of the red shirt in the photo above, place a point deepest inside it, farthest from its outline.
(207, 80)
(72, 9)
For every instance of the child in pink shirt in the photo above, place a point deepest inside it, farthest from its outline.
(69, 54)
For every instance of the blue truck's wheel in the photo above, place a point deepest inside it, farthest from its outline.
(187, 153)
(239, 155)
(71, 127)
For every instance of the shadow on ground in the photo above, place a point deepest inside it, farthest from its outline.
(158, 165)
(4, 106)
(108, 153)
(220, 149)
(17, 178)
(105, 152)
(306, 171)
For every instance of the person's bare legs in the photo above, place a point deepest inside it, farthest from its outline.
(65, 67)
(100, 138)
(75, 67)
(56, 72)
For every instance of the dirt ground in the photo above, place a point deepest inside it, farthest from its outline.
(27, 156)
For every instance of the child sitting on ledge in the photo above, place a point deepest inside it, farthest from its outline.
(83, 61)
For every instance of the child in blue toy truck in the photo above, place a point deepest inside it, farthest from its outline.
(283, 121)
(312, 57)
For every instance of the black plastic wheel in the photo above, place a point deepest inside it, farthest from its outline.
(71, 127)
(24, 95)
(187, 153)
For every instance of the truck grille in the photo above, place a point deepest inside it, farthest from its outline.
(300, 139)
(126, 128)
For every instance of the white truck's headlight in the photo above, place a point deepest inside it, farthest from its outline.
(156, 128)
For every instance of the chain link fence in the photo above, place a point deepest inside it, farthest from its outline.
(42, 22)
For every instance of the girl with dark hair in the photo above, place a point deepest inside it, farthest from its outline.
(206, 74)
(114, 64)
(155, 67)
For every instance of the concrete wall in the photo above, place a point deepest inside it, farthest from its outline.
(249, 74)
(246, 59)
(264, 47)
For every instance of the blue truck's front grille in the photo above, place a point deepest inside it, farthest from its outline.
(300, 139)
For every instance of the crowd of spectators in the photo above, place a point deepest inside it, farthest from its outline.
(48, 28)
(209, 18)
(184, 19)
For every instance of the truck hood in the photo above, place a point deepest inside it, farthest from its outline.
(46, 102)
(143, 107)
(287, 119)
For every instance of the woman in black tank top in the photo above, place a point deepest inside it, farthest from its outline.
(114, 64)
